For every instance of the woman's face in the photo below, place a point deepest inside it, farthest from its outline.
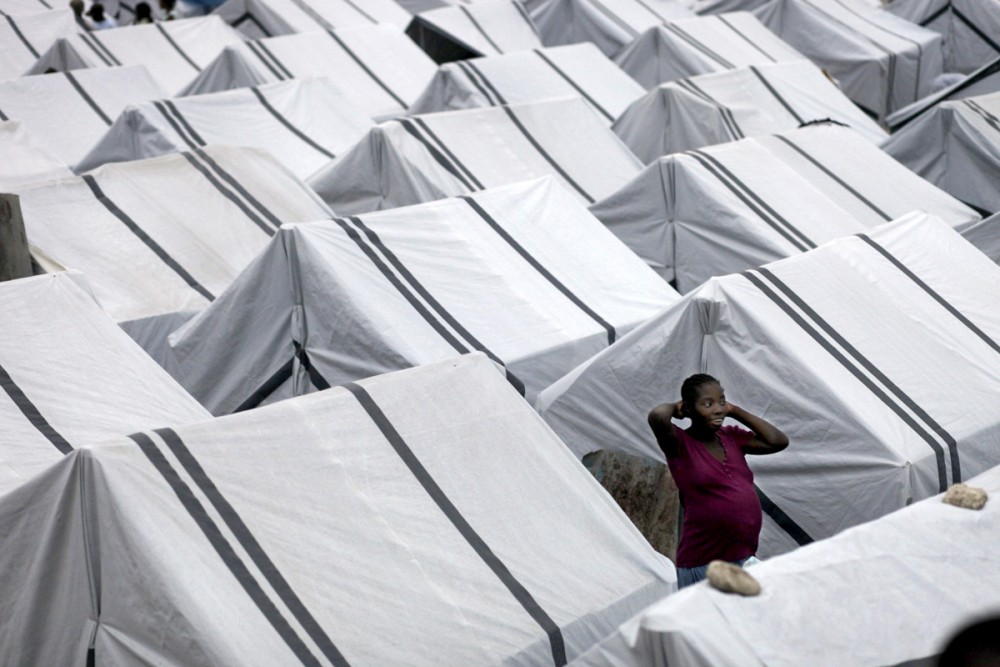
(710, 406)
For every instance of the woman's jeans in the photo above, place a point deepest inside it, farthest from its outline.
(692, 575)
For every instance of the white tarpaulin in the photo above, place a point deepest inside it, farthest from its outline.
(303, 123)
(412, 160)
(166, 235)
(882, 62)
(738, 205)
(700, 45)
(481, 28)
(983, 81)
(267, 18)
(25, 160)
(971, 28)
(70, 111)
(531, 76)
(174, 52)
(522, 273)
(16, 7)
(379, 67)
(609, 24)
(726, 106)
(892, 592)
(25, 37)
(856, 350)
(956, 146)
(423, 518)
(69, 376)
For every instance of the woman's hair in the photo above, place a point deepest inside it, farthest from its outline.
(689, 390)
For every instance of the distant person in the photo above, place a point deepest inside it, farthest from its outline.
(77, 7)
(98, 19)
(169, 9)
(722, 514)
(143, 13)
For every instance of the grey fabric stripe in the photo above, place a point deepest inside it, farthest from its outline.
(472, 19)
(20, 36)
(291, 128)
(573, 83)
(166, 35)
(87, 98)
(367, 69)
(541, 151)
(31, 412)
(776, 95)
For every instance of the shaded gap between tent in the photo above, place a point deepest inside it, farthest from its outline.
(31, 412)
(483, 550)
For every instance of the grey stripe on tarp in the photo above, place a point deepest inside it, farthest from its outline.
(475, 23)
(159, 106)
(573, 83)
(745, 38)
(698, 45)
(990, 119)
(270, 385)
(541, 151)
(20, 36)
(367, 69)
(95, 43)
(262, 53)
(177, 47)
(31, 412)
(780, 517)
(776, 95)
(436, 140)
(247, 16)
(841, 182)
(465, 529)
(252, 547)
(224, 549)
(87, 98)
(180, 117)
(537, 266)
(146, 238)
(753, 201)
(933, 17)
(849, 365)
(236, 185)
(476, 75)
(974, 28)
(228, 194)
(429, 299)
(291, 128)
(727, 115)
(452, 167)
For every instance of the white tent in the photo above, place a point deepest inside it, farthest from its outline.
(956, 146)
(16, 7)
(522, 273)
(161, 238)
(267, 18)
(745, 203)
(609, 24)
(174, 52)
(303, 123)
(25, 160)
(378, 66)
(25, 37)
(856, 350)
(983, 81)
(422, 518)
(70, 377)
(700, 45)
(531, 76)
(882, 62)
(892, 592)
(70, 111)
(971, 28)
(413, 160)
(482, 28)
(747, 102)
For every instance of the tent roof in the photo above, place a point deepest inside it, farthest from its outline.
(267, 18)
(70, 111)
(411, 160)
(726, 106)
(882, 62)
(522, 272)
(855, 349)
(166, 234)
(16, 7)
(381, 68)
(956, 146)
(610, 24)
(25, 161)
(72, 377)
(482, 28)
(174, 52)
(891, 592)
(971, 28)
(303, 123)
(983, 81)
(531, 76)
(462, 528)
(24, 38)
(745, 203)
(700, 45)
